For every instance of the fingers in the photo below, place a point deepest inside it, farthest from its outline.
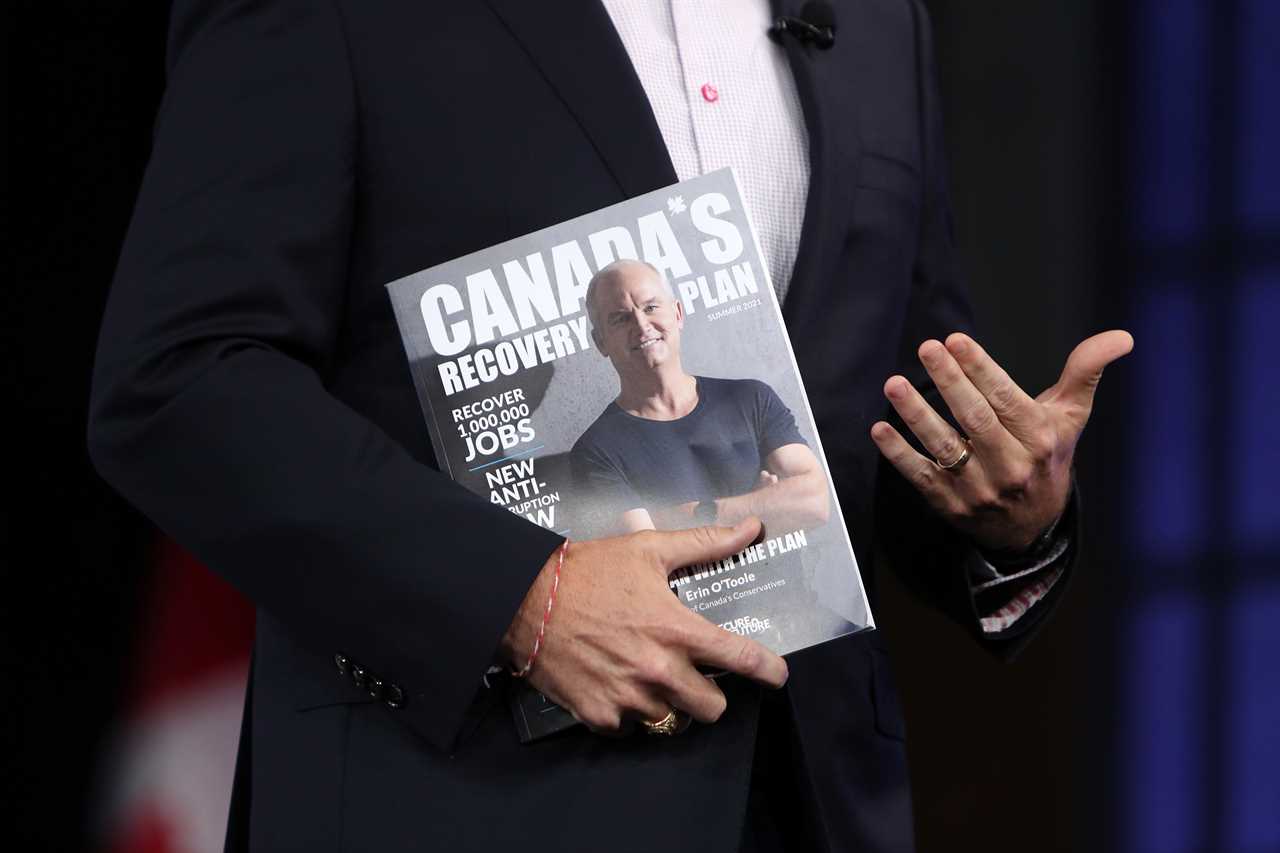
(650, 706)
(972, 411)
(1015, 409)
(681, 548)
(696, 694)
(1084, 368)
(918, 470)
(665, 682)
(938, 437)
(713, 646)
(690, 692)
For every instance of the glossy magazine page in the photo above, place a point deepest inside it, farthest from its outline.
(629, 369)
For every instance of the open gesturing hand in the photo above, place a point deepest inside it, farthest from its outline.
(1011, 479)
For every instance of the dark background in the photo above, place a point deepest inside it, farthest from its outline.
(1112, 166)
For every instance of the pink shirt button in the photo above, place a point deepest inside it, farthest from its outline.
(710, 93)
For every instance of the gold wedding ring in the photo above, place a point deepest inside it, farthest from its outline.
(959, 461)
(672, 724)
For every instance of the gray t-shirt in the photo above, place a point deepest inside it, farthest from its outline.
(716, 451)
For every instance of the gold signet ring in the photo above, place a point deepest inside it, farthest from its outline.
(672, 724)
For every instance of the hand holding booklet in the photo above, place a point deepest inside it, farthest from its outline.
(629, 370)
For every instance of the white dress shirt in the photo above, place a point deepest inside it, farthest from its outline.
(723, 94)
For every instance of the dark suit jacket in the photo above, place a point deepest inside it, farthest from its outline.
(252, 397)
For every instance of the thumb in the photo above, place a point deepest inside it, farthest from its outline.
(681, 548)
(1084, 367)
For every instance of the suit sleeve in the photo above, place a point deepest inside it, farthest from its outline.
(209, 408)
(924, 551)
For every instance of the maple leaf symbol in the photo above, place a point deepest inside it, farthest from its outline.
(676, 205)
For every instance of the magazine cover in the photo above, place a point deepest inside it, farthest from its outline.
(627, 370)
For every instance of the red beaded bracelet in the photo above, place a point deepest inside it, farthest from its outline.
(546, 615)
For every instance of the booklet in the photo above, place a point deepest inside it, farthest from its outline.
(629, 369)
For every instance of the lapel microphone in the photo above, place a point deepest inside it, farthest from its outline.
(816, 23)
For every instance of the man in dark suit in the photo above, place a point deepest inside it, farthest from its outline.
(251, 396)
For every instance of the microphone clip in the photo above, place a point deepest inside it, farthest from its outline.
(821, 34)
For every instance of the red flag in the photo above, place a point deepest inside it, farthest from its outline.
(168, 781)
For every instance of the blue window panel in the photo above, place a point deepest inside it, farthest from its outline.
(1170, 484)
(1172, 118)
(1258, 140)
(1254, 414)
(1162, 735)
(1252, 798)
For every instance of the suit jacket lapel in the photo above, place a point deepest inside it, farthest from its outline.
(827, 89)
(575, 46)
